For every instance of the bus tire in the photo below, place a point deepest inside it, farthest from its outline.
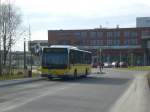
(75, 74)
(50, 77)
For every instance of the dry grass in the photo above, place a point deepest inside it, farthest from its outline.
(137, 68)
(18, 74)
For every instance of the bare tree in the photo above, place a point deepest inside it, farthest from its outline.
(10, 21)
(0, 41)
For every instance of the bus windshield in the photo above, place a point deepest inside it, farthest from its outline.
(54, 59)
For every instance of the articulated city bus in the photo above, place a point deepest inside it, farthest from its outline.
(65, 61)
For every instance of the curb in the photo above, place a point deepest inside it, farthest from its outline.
(19, 81)
(136, 97)
(121, 102)
(148, 79)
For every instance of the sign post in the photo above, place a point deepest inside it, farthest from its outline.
(100, 60)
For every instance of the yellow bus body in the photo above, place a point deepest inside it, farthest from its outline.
(69, 71)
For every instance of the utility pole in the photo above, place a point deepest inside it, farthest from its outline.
(25, 54)
(100, 60)
(144, 57)
(31, 61)
(132, 56)
(120, 57)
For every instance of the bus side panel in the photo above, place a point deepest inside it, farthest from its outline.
(80, 68)
(58, 73)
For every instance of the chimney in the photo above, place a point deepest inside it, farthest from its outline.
(100, 26)
(117, 26)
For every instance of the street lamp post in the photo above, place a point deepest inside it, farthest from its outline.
(24, 53)
(30, 72)
(120, 57)
(25, 66)
(100, 59)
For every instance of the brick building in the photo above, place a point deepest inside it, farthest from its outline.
(131, 45)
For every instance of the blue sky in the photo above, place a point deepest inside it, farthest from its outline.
(43, 15)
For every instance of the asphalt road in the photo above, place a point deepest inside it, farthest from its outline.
(96, 93)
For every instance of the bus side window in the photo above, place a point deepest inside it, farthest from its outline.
(71, 57)
(72, 60)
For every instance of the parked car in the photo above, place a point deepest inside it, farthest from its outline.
(107, 65)
(123, 64)
(115, 64)
(94, 65)
(100, 64)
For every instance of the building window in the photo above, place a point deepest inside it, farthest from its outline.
(127, 42)
(117, 34)
(133, 42)
(77, 34)
(126, 34)
(95, 42)
(100, 34)
(92, 42)
(100, 42)
(134, 34)
(145, 33)
(64, 42)
(109, 42)
(62, 34)
(116, 42)
(83, 42)
(109, 35)
(93, 34)
(84, 34)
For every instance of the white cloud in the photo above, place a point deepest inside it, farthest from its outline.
(77, 7)
(66, 14)
(39, 35)
(55, 10)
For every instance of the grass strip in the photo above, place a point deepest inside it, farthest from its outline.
(137, 68)
(17, 74)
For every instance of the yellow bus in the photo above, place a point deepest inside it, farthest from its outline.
(65, 61)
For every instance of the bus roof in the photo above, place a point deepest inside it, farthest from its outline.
(66, 46)
(63, 46)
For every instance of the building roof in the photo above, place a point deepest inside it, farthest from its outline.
(103, 28)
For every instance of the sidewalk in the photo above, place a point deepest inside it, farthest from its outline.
(136, 98)
(19, 81)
